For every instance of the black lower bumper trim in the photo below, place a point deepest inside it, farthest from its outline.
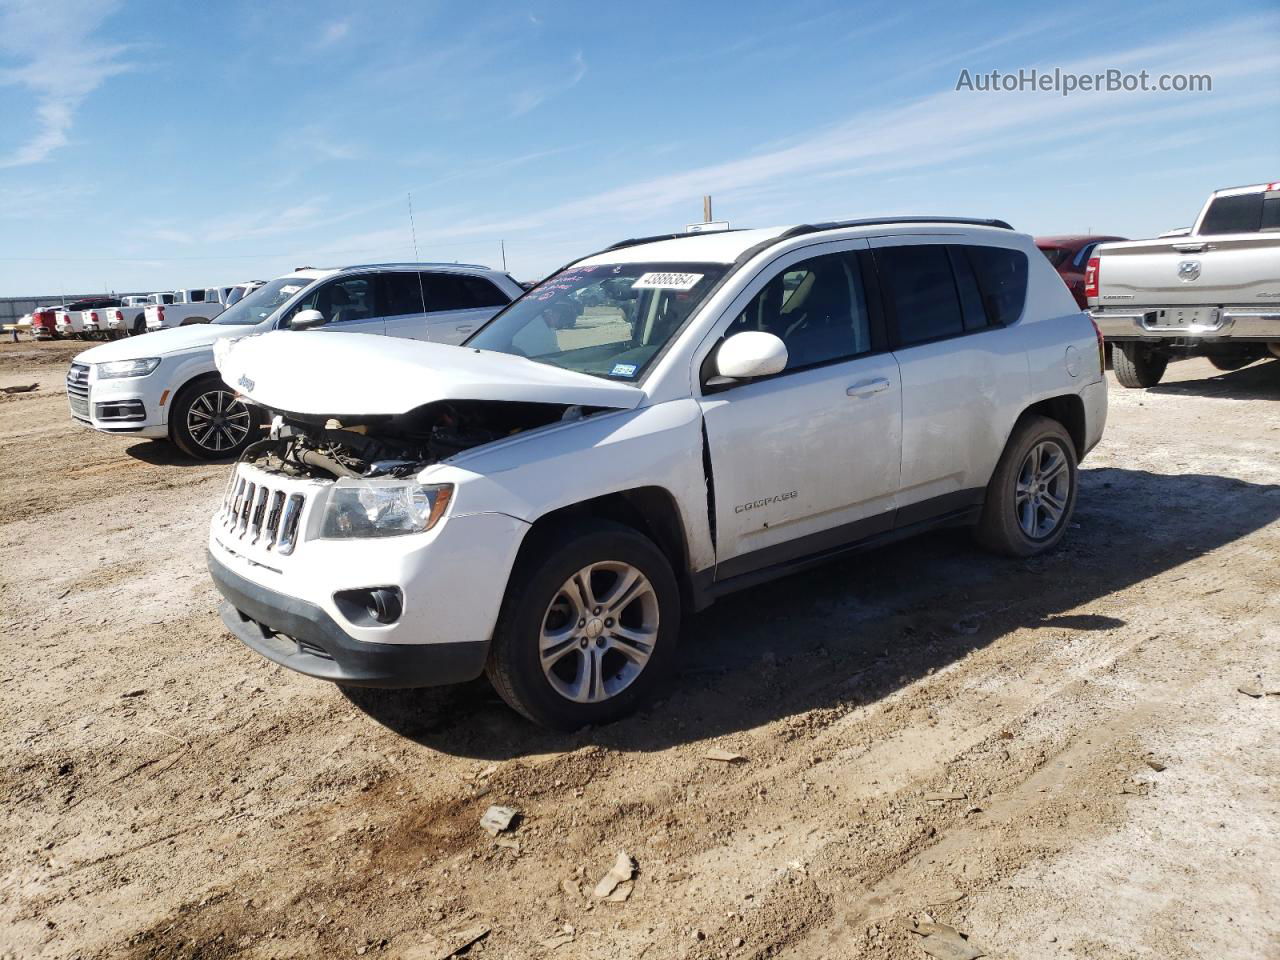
(303, 637)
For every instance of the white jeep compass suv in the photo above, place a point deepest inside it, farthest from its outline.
(651, 428)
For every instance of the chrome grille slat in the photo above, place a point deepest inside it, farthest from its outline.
(256, 511)
(271, 526)
(78, 380)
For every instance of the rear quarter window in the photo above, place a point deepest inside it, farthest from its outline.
(1002, 279)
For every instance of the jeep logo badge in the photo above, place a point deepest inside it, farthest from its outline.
(1188, 270)
(245, 383)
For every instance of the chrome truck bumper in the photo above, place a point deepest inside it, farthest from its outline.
(1229, 323)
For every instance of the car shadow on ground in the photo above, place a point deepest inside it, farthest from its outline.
(1258, 381)
(161, 453)
(856, 630)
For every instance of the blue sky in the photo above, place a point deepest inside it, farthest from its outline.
(154, 145)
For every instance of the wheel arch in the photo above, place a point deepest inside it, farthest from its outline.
(188, 384)
(1068, 410)
(650, 510)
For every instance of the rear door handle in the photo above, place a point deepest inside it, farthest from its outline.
(867, 387)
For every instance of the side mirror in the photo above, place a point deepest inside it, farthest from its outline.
(306, 319)
(748, 355)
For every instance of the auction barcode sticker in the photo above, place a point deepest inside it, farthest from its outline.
(666, 281)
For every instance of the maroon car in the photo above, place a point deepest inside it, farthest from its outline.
(1069, 256)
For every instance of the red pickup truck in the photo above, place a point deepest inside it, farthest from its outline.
(1070, 256)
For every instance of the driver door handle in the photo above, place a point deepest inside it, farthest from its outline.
(466, 329)
(867, 387)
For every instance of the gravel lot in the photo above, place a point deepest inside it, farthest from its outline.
(1112, 792)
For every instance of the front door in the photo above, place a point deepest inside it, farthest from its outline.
(806, 460)
(349, 304)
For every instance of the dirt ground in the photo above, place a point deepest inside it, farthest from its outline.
(1100, 786)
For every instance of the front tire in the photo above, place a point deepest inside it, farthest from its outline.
(208, 422)
(588, 626)
(1137, 365)
(1032, 493)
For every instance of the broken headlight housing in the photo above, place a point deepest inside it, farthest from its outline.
(383, 508)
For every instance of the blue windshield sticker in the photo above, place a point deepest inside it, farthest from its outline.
(623, 370)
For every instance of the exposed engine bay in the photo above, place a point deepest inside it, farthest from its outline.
(396, 446)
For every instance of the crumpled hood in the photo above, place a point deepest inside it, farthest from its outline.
(336, 374)
(160, 343)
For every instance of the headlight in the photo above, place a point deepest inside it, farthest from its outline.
(375, 508)
(127, 368)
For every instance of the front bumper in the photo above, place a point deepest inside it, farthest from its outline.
(303, 637)
(128, 405)
(1232, 323)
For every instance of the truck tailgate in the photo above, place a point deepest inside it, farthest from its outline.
(1241, 269)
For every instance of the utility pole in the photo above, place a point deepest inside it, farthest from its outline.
(706, 208)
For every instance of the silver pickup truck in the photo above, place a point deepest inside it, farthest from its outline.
(1214, 292)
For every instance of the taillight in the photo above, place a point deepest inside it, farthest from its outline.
(1091, 276)
(93, 316)
(160, 314)
(1102, 345)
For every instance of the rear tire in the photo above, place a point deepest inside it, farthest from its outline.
(207, 422)
(139, 326)
(588, 626)
(1137, 365)
(1032, 493)
(1229, 363)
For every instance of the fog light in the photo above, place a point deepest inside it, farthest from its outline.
(374, 605)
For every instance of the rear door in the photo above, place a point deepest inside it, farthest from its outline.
(962, 364)
(806, 460)
(458, 304)
(404, 303)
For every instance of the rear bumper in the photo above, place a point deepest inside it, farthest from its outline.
(1233, 323)
(303, 637)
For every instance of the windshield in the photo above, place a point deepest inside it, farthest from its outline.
(263, 302)
(608, 320)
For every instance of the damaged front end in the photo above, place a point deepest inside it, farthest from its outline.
(398, 446)
(370, 466)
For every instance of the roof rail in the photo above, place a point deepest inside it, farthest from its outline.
(636, 241)
(877, 221)
(418, 263)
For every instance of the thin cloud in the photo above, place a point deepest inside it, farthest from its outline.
(533, 97)
(333, 32)
(64, 62)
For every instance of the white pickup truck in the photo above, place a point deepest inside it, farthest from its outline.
(1213, 291)
(109, 320)
(132, 319)
(655, 426)
(198, 305)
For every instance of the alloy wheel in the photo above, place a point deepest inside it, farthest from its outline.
(599, 632)
(217, 421)
(1043, 489)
